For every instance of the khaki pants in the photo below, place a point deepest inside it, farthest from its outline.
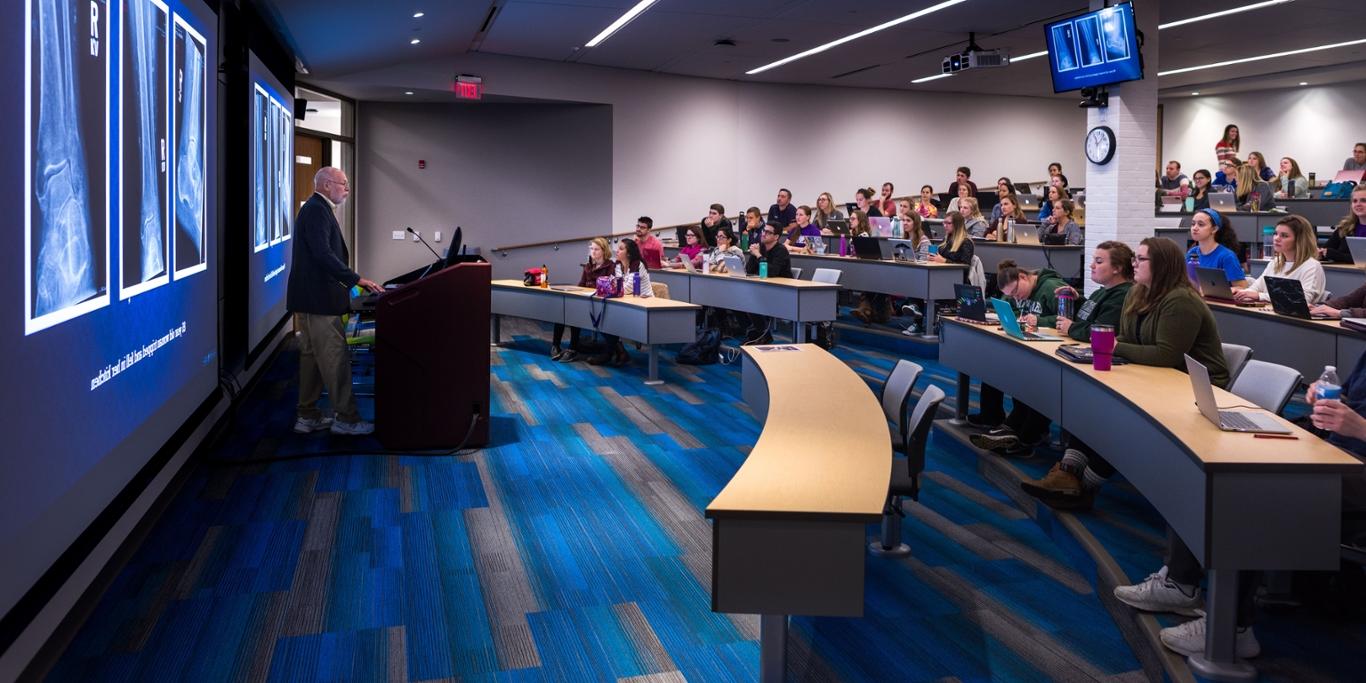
(324, 360)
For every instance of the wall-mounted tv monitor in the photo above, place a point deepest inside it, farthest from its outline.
(1094, 49)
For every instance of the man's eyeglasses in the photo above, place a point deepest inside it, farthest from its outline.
(770, 231)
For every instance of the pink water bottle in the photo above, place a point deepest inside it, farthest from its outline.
(1102, 346)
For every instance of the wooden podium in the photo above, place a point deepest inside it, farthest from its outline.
(432, 360)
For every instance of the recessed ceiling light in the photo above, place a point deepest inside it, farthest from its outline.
(620, 22)
(1197, 92)
(419, 15)
(1031, 55)
(855, 36)
(1303, 83)
(1259, 58)
(927, 79)
(415, 41)
(407, 92)
(1224, 13)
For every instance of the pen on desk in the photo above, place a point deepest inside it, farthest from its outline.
(1292, 437)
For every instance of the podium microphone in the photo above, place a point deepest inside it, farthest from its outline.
(424, 243)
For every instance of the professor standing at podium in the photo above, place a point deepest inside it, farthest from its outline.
(320, 285)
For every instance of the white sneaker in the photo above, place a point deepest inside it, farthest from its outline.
(357, 428)
(1158, 594)
(1189, 640)
(308, 425)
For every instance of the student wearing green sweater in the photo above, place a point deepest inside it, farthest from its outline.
(1163, 319)
(1112, 268)
(1035, 299)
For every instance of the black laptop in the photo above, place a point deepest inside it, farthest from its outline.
(839, 226)
(868, 248)
(972, 306)
(1287, 298)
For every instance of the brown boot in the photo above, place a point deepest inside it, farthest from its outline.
(864, 312)
(1058, 484)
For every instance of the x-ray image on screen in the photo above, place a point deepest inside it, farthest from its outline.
(1115, 33)
(66, 147)
(260, 102)
(143, 152)
(285, 122)
(1088, 41)
(188, 100)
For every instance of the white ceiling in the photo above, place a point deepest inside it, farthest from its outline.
(336, 38)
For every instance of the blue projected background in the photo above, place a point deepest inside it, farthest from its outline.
(1095, 49)
(109, 245)
(272, 202)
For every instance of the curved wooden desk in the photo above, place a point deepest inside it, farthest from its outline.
(788, 530)
(1238, 502)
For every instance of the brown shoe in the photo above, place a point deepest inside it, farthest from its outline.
(864, 312)
(1058, 484)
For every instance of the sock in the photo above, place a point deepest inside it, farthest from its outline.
(1091, 481)
(1074, 461)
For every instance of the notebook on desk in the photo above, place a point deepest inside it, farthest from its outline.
(1011, 324)
(1226, 420)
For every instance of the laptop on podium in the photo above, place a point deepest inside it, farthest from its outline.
(1227, 420)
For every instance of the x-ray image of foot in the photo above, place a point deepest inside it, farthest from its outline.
(190, 157)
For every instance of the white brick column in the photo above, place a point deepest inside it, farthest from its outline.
(1119, 195)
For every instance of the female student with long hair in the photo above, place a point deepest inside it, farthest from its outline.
(1227, 147)
(1290, 173)
(825, 210)
(913, 229)
(1053, 194)
(696, 241)
(925, 206)
(597, 266)
(1259, 167)
(972, 217)
(1061, 223)
(628, 263)
(957, 245)
(1009, 208)
(1295, 245)
(1201, 180)
(1351, 225)
(1253, 192)
(1210, 231)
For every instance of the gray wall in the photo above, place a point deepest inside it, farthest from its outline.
(508, 173)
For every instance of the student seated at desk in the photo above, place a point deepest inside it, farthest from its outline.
(1260, 170)
(825, 212)
(925, 206)
(1004, 188)
(863, 201)
(1052, 195)
(1253, 193)
(1357, 161)
(754, 224)
(1291, 175)
(913, 229)
(1162, 321)
(769, 248)
(1344, 421)
(1035, 298)
(795, 239)
(962, 176)
(628, 262)
(972, 217)
(716, 217)
(1055, 171)
(1211, 233)
(957, 245)
(1295, 247)
(884, 202)
(1201, 189)
(1351, 225)
(1226, 178)
(1061, 225)
(650, 247)
(596, 267)
(782, 213)
(964, 191)
(691, 249)
(726, 245)
(1112, 268)
(1008, 207)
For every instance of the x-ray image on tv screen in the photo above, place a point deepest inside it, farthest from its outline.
(109, 246)
(1094, 49)
(272, 201)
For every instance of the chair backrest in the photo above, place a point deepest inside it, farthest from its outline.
(827, 275)
(922, 418)
(1267, 384)
(896, 392)
(977, 277)
(659, 289)
(1235, 356)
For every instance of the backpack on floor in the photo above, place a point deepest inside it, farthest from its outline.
(704, 351)
(825, 336)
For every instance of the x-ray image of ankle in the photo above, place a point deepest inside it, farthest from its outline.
(63, 271)
(142, 23)
(190, 160)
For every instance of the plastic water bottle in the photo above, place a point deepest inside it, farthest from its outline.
(896, 228)
(763, 268)
(545, 276)
(1268, 248)
(1065, 305)
(1328, 386)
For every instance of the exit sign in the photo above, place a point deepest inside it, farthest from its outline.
(469, 87)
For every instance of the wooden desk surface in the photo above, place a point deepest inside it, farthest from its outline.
(802, 466)
(1271, 316)
(1165, 395)
(650, 302)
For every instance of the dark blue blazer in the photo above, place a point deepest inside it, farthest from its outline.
(320, 282)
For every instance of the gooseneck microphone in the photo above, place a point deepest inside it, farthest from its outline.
(424, 242)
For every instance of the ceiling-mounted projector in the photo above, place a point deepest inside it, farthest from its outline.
(975, 59)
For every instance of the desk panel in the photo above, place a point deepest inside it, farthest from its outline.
(1066, 260)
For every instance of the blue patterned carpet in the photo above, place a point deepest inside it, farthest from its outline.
(574, 549)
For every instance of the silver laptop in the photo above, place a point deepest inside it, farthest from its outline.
(1214, 283)
(880, 226)
(1223, 201)
(1357, 245)
(687, 264)
(1227, 420)
(1026, 233)
(1029, 202)
(1172, 203)
(734, 265)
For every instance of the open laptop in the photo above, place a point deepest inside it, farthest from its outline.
(972, 307)
(1223, 201)
(879, 226)
(1029, 202)
(1172, 203)
(902, 249)
(734, 265)
(1227, 420)
(1287, 298)
(1026, 233)
(1022, 188)
(1350, 176)
(1213, 284)
(868, 248)
(1011, 324)
(839, 226)
(687, 264)
(1357, 245)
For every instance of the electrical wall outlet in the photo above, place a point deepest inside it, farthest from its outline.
(438, 235)
(416, 233)
(398, 235)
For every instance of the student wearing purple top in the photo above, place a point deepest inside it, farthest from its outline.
(796, 237)
(1351, 225)
(692, 251)
(1206, 228)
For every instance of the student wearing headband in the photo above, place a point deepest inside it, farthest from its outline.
(1212, 235)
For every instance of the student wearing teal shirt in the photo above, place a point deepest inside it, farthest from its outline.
(1211, 234)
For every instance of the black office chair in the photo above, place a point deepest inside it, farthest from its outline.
(905, 480)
